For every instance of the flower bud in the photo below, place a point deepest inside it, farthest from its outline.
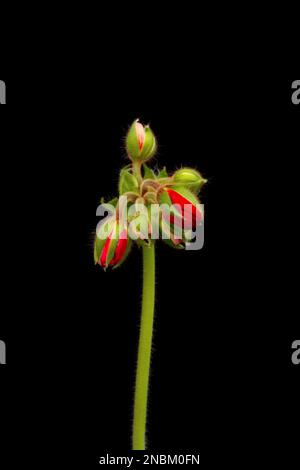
(140, 142)
(190, 178)
(186, 211)
(111, 250)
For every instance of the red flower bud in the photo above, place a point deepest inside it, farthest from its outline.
(190, 215)
(113, 250)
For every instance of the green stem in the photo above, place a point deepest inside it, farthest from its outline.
(137, 169)
(144, 352)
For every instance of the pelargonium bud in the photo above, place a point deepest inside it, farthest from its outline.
(189, 214)
(112, 249)
(140, 142)
(190, 178)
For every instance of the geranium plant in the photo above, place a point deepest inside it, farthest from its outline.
(150, 206)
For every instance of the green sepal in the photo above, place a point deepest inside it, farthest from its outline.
(149, 147)
(164, 198)
(127, 182)
(148, 173)
(99, 242)
(163, 173)
(112, 202)
(168, 242)
(96, 257)
(132, 145)
(189, 195)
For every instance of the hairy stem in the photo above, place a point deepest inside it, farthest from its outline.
(144, 352)
(137, 170)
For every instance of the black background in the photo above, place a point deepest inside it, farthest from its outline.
(222, 380)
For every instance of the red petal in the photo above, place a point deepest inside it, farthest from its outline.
(104, 253)
(177, 198)
(197, 216)
(189, 210)
(121, 249)
(140, 132)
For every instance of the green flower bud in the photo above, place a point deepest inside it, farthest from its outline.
(127, 182)
(189, 178)
(140, 142)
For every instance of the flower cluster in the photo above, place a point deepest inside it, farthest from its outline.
(176, 196)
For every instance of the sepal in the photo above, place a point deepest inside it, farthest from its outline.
(148, 173)
(127, 182)
(163, 173)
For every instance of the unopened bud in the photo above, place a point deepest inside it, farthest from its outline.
(190, 178)
(112, 249)
(140, 142)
